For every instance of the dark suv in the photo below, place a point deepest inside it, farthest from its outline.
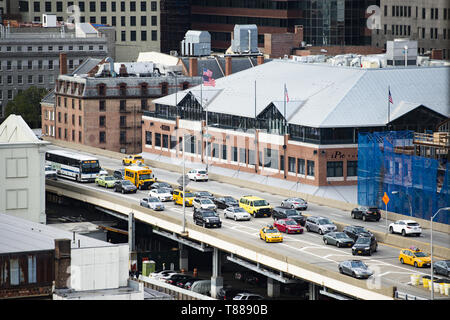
(207, 218)
(119, 174)
(366, 213)
(285, 213)
(124, 186)
(365, 245)
(355, 231)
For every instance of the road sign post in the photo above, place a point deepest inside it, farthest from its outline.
(386, 200)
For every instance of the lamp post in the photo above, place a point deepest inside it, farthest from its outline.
(431, 246)
(184, 183)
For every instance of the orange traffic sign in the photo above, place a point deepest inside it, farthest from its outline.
(385, 199)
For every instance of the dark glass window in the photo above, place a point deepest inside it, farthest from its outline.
(310, 165)
(301, 166)
(335, 169)
(148, 137)
(102, 136)
(291, 164)
(157, 139)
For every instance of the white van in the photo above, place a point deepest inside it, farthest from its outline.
(202, 287)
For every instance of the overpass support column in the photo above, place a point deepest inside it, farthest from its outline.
(184, 260)
(313, 291)
(131, 232)
(216, 278)
(273, 288)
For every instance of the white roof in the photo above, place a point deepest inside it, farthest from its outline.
(331, 96)
(20, 235)
(15, 130)
(73, 155)
(157, 57)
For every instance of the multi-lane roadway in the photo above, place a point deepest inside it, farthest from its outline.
(388, 271)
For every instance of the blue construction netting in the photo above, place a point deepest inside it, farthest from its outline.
(416, 186)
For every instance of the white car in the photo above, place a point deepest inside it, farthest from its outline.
(50, 173)
(198, 174)
(236, 213)
(405, 227)
(158, 275)
(152, 203)
(204, 203)
(163, 194)
(248, 296)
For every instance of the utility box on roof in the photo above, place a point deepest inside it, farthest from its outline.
(196, 43)
(245, 38)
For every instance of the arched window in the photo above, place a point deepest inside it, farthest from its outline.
(122, 89)
(164, 88)
(101, 89)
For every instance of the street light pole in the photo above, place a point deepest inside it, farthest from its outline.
(431, 247)
(184, 183)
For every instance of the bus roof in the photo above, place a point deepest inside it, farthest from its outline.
(137, 168)
(72, 155)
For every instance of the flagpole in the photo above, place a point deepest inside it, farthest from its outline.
(389, 107)
(256, 143)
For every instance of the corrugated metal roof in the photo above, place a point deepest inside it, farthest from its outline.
(20, 235)
(333, 96)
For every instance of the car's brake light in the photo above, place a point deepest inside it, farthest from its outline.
(296, 203)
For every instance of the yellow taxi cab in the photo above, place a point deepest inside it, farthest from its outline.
(178, 197)
(415, 257)
(270, 234)
(132, 159)
(256, 206)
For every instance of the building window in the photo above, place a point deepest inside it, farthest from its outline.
(92, 6)
(157, 139)
(301, 166)
(143, 21)
(133, 6)
(132, 35)
(113, 6)
(102, 105)
(122, 6)
(310, 167)
(153, 5)
(164, 88)
(123, 89)
(291, 164)
(79, 136)
(123, 137)
(154, 20)
(102, 121)
(143, 6)
(335, 169)
(103, 6)
(270, 158)
(102, 136)
(154, 35)
(143, 35)
(148, 137)
(243, 155)
(352, 168)
(113, 21)
(101, 89)
(133, 21)
(123, 36)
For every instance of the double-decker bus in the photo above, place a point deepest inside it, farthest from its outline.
(73, 165)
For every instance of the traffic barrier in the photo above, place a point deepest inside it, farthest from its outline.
(446, 288)
(415, 279)
(426, 281)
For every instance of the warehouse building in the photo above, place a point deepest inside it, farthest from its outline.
(294, 121)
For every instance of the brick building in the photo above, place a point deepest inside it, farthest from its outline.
(308, 133)
(94, 108)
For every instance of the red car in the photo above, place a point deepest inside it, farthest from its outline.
(288, 226)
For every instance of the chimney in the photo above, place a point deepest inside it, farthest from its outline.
(228, 64)
(123, 71)
(62, 263)
(62, 63)
(260, 59)
(193, 65)
(298, 35)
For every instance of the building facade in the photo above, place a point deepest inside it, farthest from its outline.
(340, 22)
(30, 56)
(428, 22)
(105, 111)
(22, 178)
(137, 23)
(312, 138)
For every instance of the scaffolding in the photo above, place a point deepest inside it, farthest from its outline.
(416, 185)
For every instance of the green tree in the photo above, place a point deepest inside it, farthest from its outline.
(27, 104)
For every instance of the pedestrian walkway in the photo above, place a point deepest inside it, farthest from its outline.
(346, 194)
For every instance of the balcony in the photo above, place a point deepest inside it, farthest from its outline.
(437, 139)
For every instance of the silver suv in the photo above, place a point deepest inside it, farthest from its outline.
(321, 225)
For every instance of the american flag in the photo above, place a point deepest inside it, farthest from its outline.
(390, 97)
(208, 80)
(286, 93)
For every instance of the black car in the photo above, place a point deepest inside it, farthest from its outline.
(176, 277)
(365, 245)
(124, 186)
(442, 267)
(287, 213)
(225, 202)
(227, 293)
(204, 194)
(366, 213)
(182, 282)
(160, 184)
(355, 231)
(207, 218)
(119, 174)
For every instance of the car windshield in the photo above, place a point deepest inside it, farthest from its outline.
(153, 200)
(126, 183)
(204, 193)
(201, 172)
(340, 235)
(325, 221)
(420, 254)
(239, 209)
(109, 178)
(359, 229)
(363, 240)
(291, 213)
(137, 157)
(146, 176)
(291, 223)
(90, 166)
(205, 201)
(188, 195)
(297, 200)
(271, 230)
(229, 199)
(163, 190)
(209, 214)
(358, 264)
(260, 203)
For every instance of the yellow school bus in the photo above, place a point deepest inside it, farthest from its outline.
(141, 177)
